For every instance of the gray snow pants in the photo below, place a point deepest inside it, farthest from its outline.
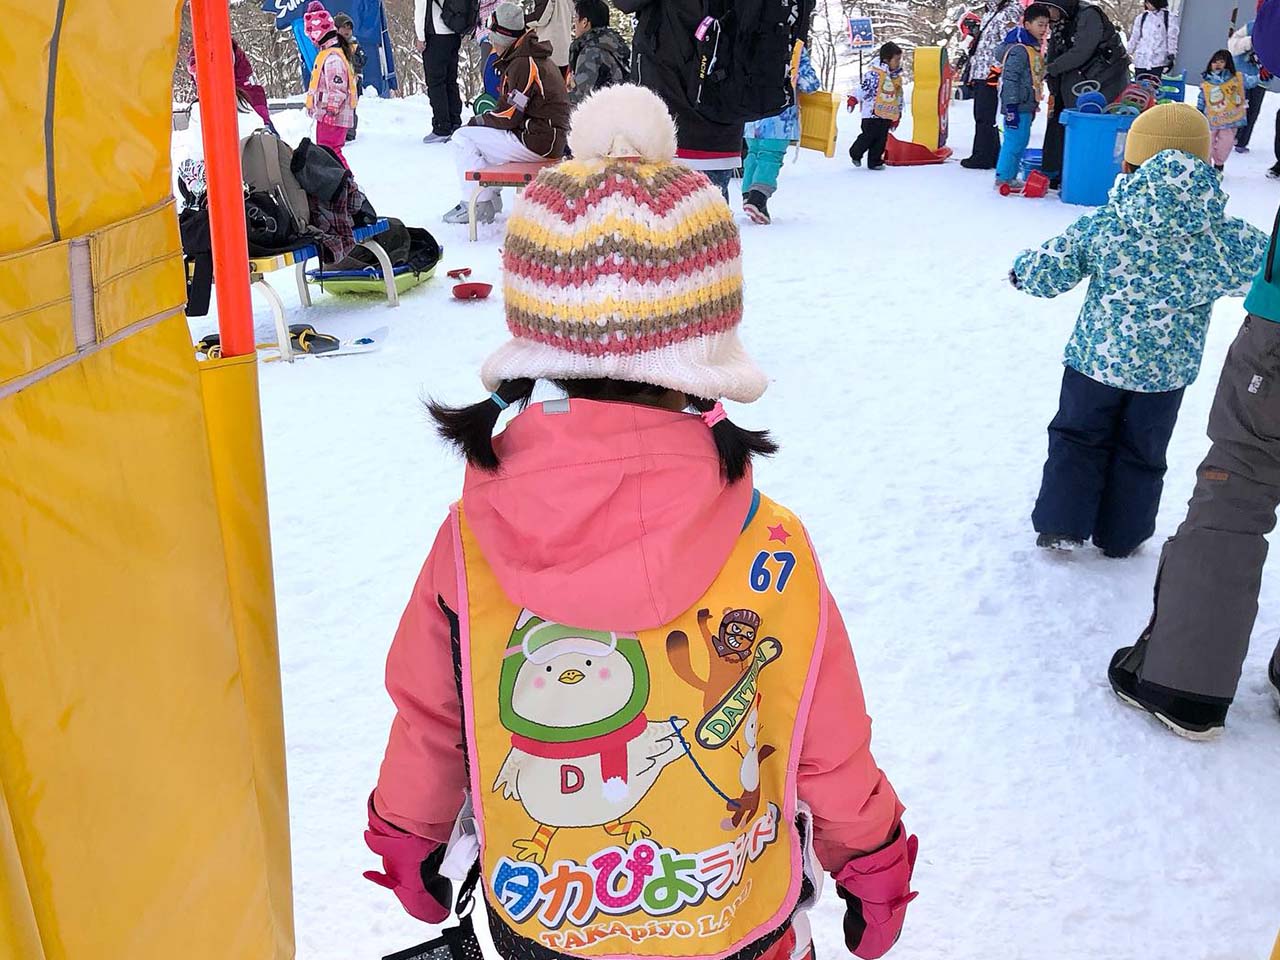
(1206, 594)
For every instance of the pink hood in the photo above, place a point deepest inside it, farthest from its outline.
(607, 516)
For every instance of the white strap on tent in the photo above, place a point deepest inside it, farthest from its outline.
(80, 266)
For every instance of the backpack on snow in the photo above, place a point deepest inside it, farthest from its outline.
(743, 50)
(264, 164)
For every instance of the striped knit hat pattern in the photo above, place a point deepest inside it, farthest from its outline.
(621, 264)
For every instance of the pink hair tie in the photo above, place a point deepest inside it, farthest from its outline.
(715, 415)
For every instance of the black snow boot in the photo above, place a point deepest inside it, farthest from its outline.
(1273, 674)
(1189, 716)
(1058, 541)
(756, 206)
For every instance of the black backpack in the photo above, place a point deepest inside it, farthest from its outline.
(743, 50)
(269, 225)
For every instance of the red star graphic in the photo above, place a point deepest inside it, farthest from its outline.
(779, 533)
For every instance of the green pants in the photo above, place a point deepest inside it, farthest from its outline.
(763, 164)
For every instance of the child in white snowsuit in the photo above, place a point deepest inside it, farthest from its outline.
(881, 98)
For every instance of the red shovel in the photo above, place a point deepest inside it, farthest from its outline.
(472, 291)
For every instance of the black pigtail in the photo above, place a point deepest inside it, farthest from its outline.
(735, 445)
(470, 429)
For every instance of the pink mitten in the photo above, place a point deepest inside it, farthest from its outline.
(410, 864)
(876, 889)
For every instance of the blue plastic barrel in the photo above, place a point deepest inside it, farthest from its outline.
(1093, 154)
(1031, 159)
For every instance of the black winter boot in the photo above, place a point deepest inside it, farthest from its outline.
(1189, 716)
(1058, 541)
(756, 206)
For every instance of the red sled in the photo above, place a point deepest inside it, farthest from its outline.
(1037, 186)
(904, 153)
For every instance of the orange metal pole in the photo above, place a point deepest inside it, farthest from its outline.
(215, 82)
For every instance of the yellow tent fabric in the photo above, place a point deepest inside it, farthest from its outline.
(143, 807)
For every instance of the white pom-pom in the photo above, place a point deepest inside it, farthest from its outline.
(614, 790)
(623, 120)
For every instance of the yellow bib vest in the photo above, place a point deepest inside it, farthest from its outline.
(888, 105)
(1225, 103)
(635, 795)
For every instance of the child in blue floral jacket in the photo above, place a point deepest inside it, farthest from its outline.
(767, 143)
(1157, 257)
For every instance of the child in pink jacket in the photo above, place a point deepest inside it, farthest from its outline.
(331, 96)
(621, 654)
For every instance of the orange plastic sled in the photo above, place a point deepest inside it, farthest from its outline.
(903, 153)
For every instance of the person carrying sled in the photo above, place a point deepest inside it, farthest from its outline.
(767, 144)
(598, 56)
(1157, 258)
(529, 123)
(1021, 87)
(631, 793)
(331, 96)
(881, 98)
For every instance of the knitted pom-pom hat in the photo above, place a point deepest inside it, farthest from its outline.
(621, 264)
(316, 22)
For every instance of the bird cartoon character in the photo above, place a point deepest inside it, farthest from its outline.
(753, 753)
(583, 754)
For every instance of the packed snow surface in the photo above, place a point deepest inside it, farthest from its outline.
(911, 387)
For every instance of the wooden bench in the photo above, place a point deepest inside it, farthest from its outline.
(259, 267)
(518, 175)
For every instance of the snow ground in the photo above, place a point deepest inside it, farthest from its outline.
(912, 390)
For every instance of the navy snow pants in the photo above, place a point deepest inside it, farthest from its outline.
(1106, 464)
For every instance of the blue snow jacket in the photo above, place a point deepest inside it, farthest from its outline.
(1017, 82)
(1157, 257)
(786, 125)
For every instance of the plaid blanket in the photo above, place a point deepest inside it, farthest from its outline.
(334, 221)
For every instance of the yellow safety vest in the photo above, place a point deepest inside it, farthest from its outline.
(1225, 103)
(635, 794)
(888, 105)
(1036, 60)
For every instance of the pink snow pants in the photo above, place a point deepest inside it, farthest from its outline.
(1224, 140)
(332, 136)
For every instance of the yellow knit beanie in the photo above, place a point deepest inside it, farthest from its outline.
(1168, 126)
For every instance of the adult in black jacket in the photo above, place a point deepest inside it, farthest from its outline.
(1084, 45)
(664, 59)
